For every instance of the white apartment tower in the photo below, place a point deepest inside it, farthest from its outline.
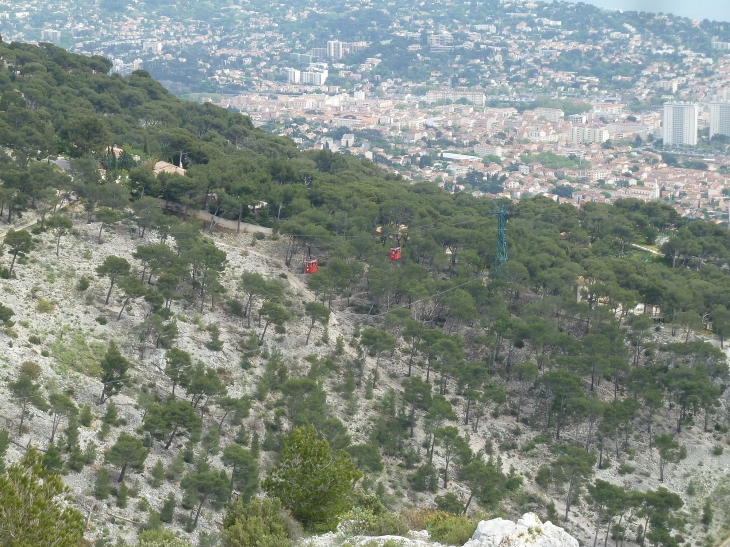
(680, 124)
(293, 76)
(719, 119)
(335, 49)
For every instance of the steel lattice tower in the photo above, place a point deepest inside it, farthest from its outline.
(501, 255)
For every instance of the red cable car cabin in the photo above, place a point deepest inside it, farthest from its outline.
(395, 253)
(310, 266)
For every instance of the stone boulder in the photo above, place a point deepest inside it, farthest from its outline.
(529, 531)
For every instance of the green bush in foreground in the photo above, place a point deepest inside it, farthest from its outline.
(450, 529)
(312, 480)
(258, 523)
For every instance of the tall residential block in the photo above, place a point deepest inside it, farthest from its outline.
(680, 124)
(719, 119)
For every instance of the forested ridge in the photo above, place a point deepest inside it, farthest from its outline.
(575, 380)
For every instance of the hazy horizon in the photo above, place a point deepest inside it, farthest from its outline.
(717, 10)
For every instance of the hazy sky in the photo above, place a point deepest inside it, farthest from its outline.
(718, 10)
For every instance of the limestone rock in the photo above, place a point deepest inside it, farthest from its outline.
(528, 531)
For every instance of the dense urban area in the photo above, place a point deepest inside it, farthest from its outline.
(375, 274)
(496, 98)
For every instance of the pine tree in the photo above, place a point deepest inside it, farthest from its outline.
(128, 451)
(33, 509)
(157, 474)
(168, 508)
(122, 495)
(102, 484)
(52, 461)
(113, 372)
(311, 480)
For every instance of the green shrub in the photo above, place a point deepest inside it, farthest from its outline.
(543, 477)
(83, 283)
(450, 503)
(625, 469)
(258, 522)
(86, 417)
(366, 456)
(424, 479)
(160, 537)
(369, 517)
(717, 450)
(44, 306)
(102, 484)
(101, 320)
(450, 529)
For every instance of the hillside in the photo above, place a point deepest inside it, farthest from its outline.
(579, 380)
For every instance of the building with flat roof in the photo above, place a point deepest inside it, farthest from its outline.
(680, 124)
(474, 97)
(550, 114)
(719, 119)
(587, 135)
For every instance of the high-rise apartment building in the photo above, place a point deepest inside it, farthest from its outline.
(293, 76)
(314, 76)
(125, 69)
(335, 49)
(719, 119)
(50, 35)
(680, 124)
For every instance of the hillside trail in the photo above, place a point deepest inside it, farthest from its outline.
(4, 229)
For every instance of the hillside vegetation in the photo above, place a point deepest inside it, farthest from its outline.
(164, 369)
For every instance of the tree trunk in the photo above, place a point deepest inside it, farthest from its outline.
(567, 502)
(248, 311)
(309, 333)
(661, 468)
(54, 426)
(121, 475)
(108, 294)
(220, 424)
(12, 264)
(169, 441)
(466, 507)
(22, 416)
(598, 525)
(266, 326)
(197, 514)
(122, 310)
(230, 486)
(58, 243)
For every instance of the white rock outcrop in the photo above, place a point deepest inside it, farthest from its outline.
(529, 531)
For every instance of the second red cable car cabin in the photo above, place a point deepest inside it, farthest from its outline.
(395, 253)
(310, 266)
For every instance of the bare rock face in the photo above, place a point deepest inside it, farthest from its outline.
(529, 531)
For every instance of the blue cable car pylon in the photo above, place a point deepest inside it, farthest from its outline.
(502, 255)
